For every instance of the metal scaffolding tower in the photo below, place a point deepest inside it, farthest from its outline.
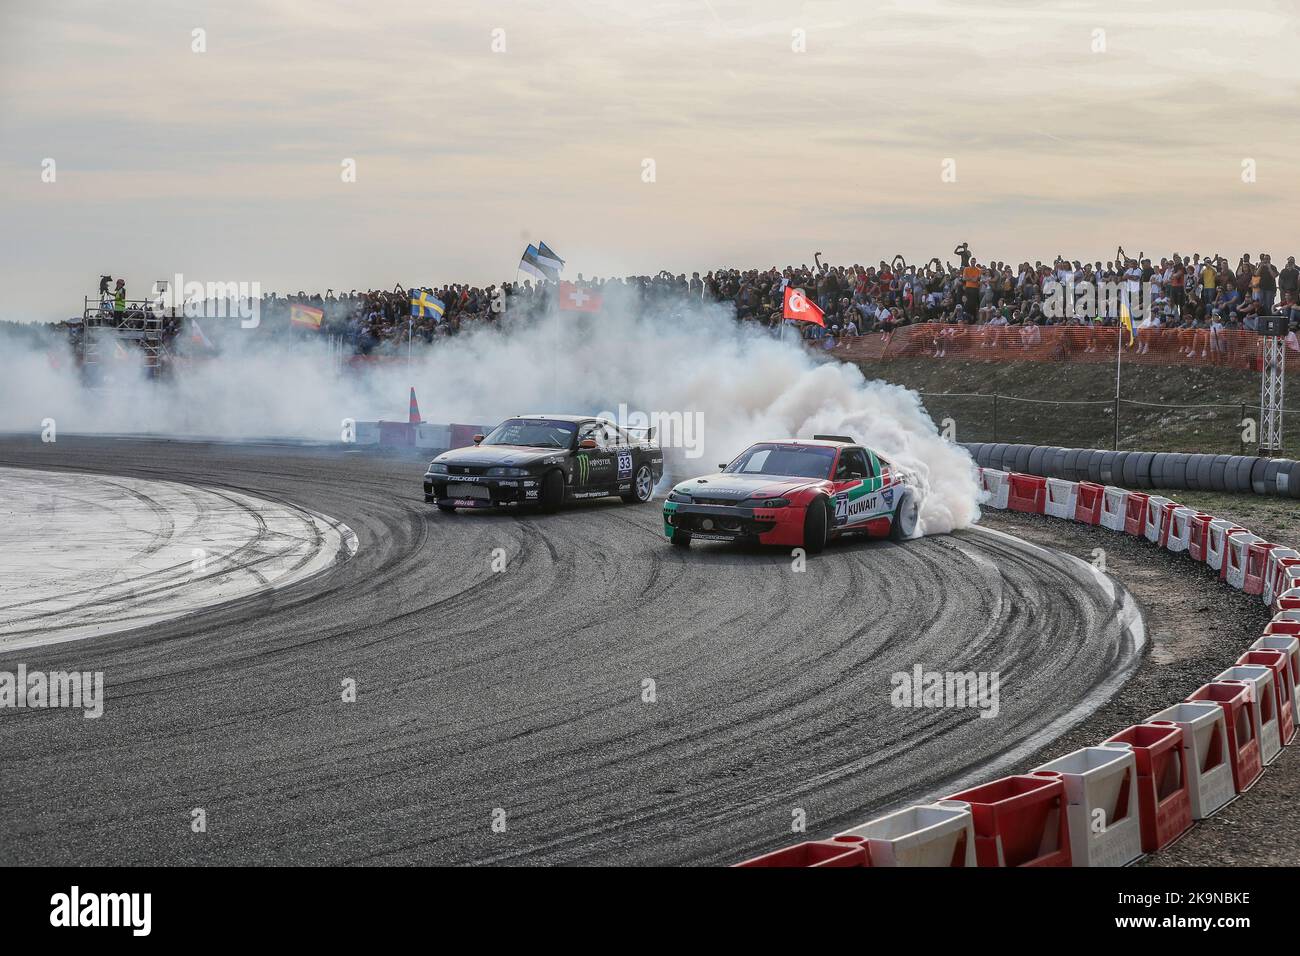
(1272, 384)
(105, 331)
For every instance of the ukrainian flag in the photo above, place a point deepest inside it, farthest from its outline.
(1126, 319)
(425, 305)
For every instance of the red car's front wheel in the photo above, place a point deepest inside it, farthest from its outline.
(815, 526)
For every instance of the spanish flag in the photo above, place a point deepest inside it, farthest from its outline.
(305, 316)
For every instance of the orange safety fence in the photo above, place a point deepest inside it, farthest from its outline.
(1065, 343)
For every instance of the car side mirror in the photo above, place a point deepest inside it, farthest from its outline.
(478, 438)
(587, 443)
(722, 466)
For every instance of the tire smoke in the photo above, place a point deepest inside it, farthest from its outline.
(683, 361)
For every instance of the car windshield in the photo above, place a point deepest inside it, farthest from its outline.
(533, 433)
(796, 461)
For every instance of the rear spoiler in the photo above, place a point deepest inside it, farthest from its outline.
(648, 429)
(842, 438)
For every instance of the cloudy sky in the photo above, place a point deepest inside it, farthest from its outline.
(775, 129)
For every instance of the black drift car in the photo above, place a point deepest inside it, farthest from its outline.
(545, 460)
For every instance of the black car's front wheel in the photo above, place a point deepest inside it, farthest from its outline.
(643, 486)
(552, 492)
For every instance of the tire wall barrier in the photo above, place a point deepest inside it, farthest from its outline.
(1144, 470)
(1153, 780)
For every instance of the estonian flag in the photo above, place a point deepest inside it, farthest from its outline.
(425, 305)
(548, 257)
(534, 265)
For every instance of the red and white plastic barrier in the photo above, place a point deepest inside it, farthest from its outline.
(1234, 558)
(1256, 566)
(1290, 647)
(1264, 713)
(1157, 519)
(1114, 508)
(831, 853)
(1216, 545)
(1198, 543)
(1088, 500)
(1164, 796)
(1239, 715)
(1205, 753)
(1101, 803)
(937, 834)
(1026, 493)
(1274, 579)
(1062, 498)
(1283, 688)
(1180, 529)
(1135, 513)
(997, 485)
(1019, 821)
(1284, 622)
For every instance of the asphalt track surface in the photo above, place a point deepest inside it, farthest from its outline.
(525, 690)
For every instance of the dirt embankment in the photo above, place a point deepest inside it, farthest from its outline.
(1219, 398)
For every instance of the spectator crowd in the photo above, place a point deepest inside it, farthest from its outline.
(980, 303)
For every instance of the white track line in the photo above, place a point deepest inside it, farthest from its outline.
(1128, 624)
(86, 555)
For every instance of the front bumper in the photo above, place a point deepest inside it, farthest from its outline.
(479, 491)
(782, 526)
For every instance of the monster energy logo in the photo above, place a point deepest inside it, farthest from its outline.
(583, 468)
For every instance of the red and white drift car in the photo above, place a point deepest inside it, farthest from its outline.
(796, 493)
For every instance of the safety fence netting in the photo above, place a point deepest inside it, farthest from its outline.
(1073, 343)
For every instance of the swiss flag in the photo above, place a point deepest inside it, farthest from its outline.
(574, 298)
(798, 306)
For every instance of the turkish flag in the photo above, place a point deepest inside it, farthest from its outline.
(574, 298)
(798, 306)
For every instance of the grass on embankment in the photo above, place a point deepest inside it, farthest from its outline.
(1216, 430)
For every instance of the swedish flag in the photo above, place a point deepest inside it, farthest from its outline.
(425, 305)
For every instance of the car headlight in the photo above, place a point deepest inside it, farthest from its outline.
(506, 472)
(680, 497)
(767, 502)
(437, 468)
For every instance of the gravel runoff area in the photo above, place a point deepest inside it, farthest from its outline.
(1197, 626)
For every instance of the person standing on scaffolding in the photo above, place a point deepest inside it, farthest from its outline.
(119, 302)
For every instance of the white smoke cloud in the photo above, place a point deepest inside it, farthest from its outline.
(745, 385)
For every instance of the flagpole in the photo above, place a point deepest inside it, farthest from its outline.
(410, 334)
(555, 358)
(1119, 358)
